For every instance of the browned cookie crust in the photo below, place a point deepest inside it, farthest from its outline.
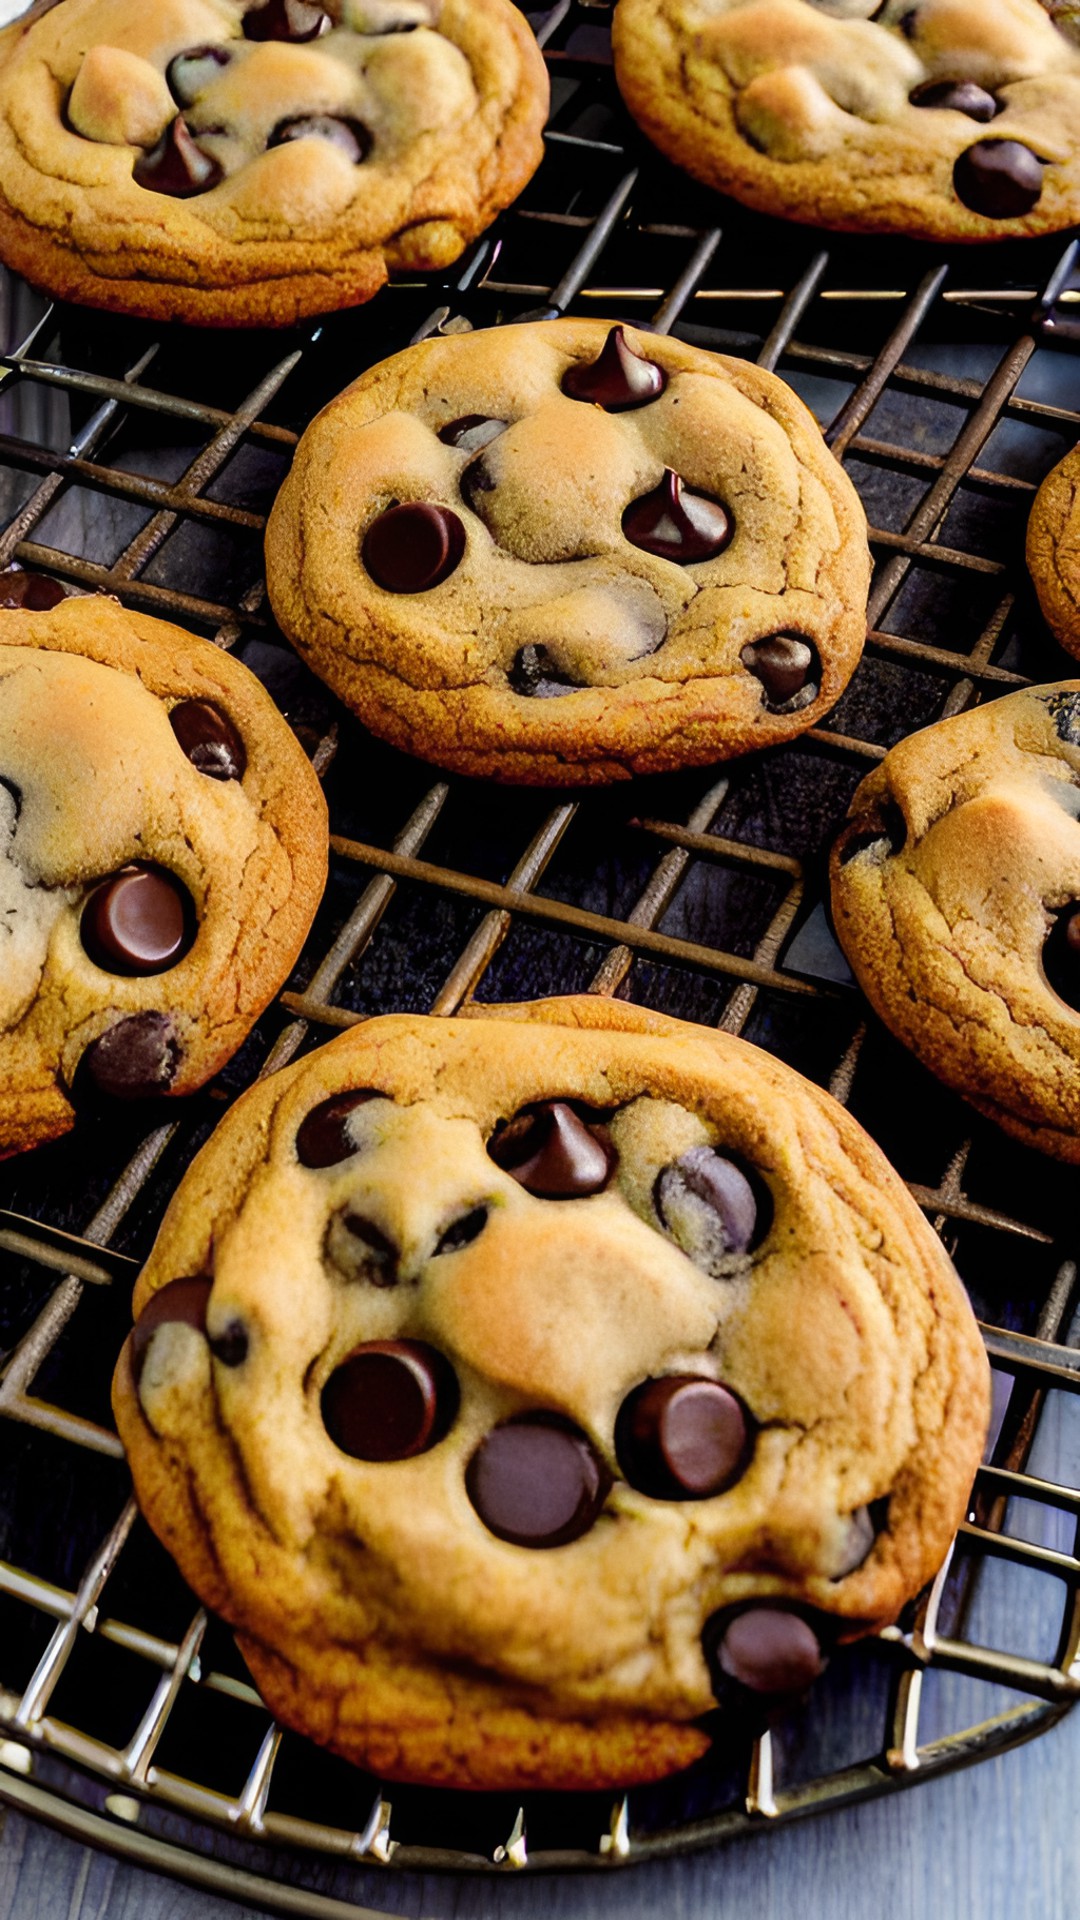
(943, 119)
(956, 897)
(565, 552)
(1053, 550)
(163, 846)
(514, 1384)
(247, 162)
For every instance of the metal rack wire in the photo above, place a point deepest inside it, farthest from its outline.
(130, 464)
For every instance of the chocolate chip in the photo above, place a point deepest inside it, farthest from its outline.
(784, 663)
(957, 96)
(132, 1060)
(390, 1400)
(1061, 955)
(862, 1531)
(32, 591)
(472, 431)
(285, 20)
(535, 675)
(176, 165)
(768, 1649)
(350, 137)
(682, 1437)
(323, 1136)
(1064, 710)
(461, 1233)
(477, 479)
(553, 1153)
(999, 178)
(230, 1346)
(209, 739)
(619, 378)
(413, 547)
(710, 1207)
(138, 922)
(182, 1302)
(677, 524)
(883, 826)
(189, 73)
(537, 1481)
(360, 1250)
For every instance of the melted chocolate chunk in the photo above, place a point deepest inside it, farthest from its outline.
(957, 96)
(138, 922)
(189, 73)
(619, 378)
(552, 1153)
(477, 479)
(413, 547)
(462, 1233)
(323, 1137)
(535, 676)
(360, 1250)
(788, 669)
(1064, 710)
(682, 1437)
(182, 1302)
(133, 1060)
(230, 1346)
(537, 1481)
(32, 591)
(710, 1208)
(999, 178)
(886, 825)
(176, 165)
(767, 1649)
(390, 1400)
(677, 524)
(209, 739)
(472, 431)
(1061, 956)
(285, 20)
(350, 137)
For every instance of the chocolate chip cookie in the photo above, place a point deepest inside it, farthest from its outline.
(247, 162)
(1053, 550)
(944, 119)
(566, 552)
(520, 1385)
(956, 897)
(163, 846)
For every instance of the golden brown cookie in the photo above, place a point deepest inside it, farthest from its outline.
(163, 847)
(944, 119)
(1053, 550)
(565, 552)
(956, 897)
(247, 162)
(518, 1385)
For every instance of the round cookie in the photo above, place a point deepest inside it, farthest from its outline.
(518, 1385)
(956, 897)
(163, 848)
(564, 552)
(248, 162)
(1053, 550)
(942, 119)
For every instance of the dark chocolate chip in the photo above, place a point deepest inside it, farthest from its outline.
(32, 591)
(323, 1136)
(209, 739)
(461, 1233)
(140, 921)
(350, 137)
(476, 480)
(537, 1481)
(677, 524)
(682, 1437)
(176, 165)
(619, 378)
(1061, 955)
(862, 1531)
(390, 1400)
(189, 73)
(360, 1250)
(767, 1649)
(957, 96)
(552, 1152)
(788, 669)
(413, 547)
(711, 1209)
(132, 1060)
(999, 178)
(1064, 710)
(285, 20)
(909, 23)
(182, 1302)
(535, 675)
(472, 431)
(230, 1346)
(885, 825)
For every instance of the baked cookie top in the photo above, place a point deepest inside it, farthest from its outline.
(1053, 550)
(565, 552)
(956, 897)
(163, 847)
(518, 1384)
(944, 119)
(247, 162)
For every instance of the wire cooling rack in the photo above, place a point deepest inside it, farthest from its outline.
(142, 463)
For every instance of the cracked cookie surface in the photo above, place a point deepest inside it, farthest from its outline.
(517, 1384)
(249, 162)
(942, 119)
(567, 551)
(1053, 550)
(956, 897)
(163, 847)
